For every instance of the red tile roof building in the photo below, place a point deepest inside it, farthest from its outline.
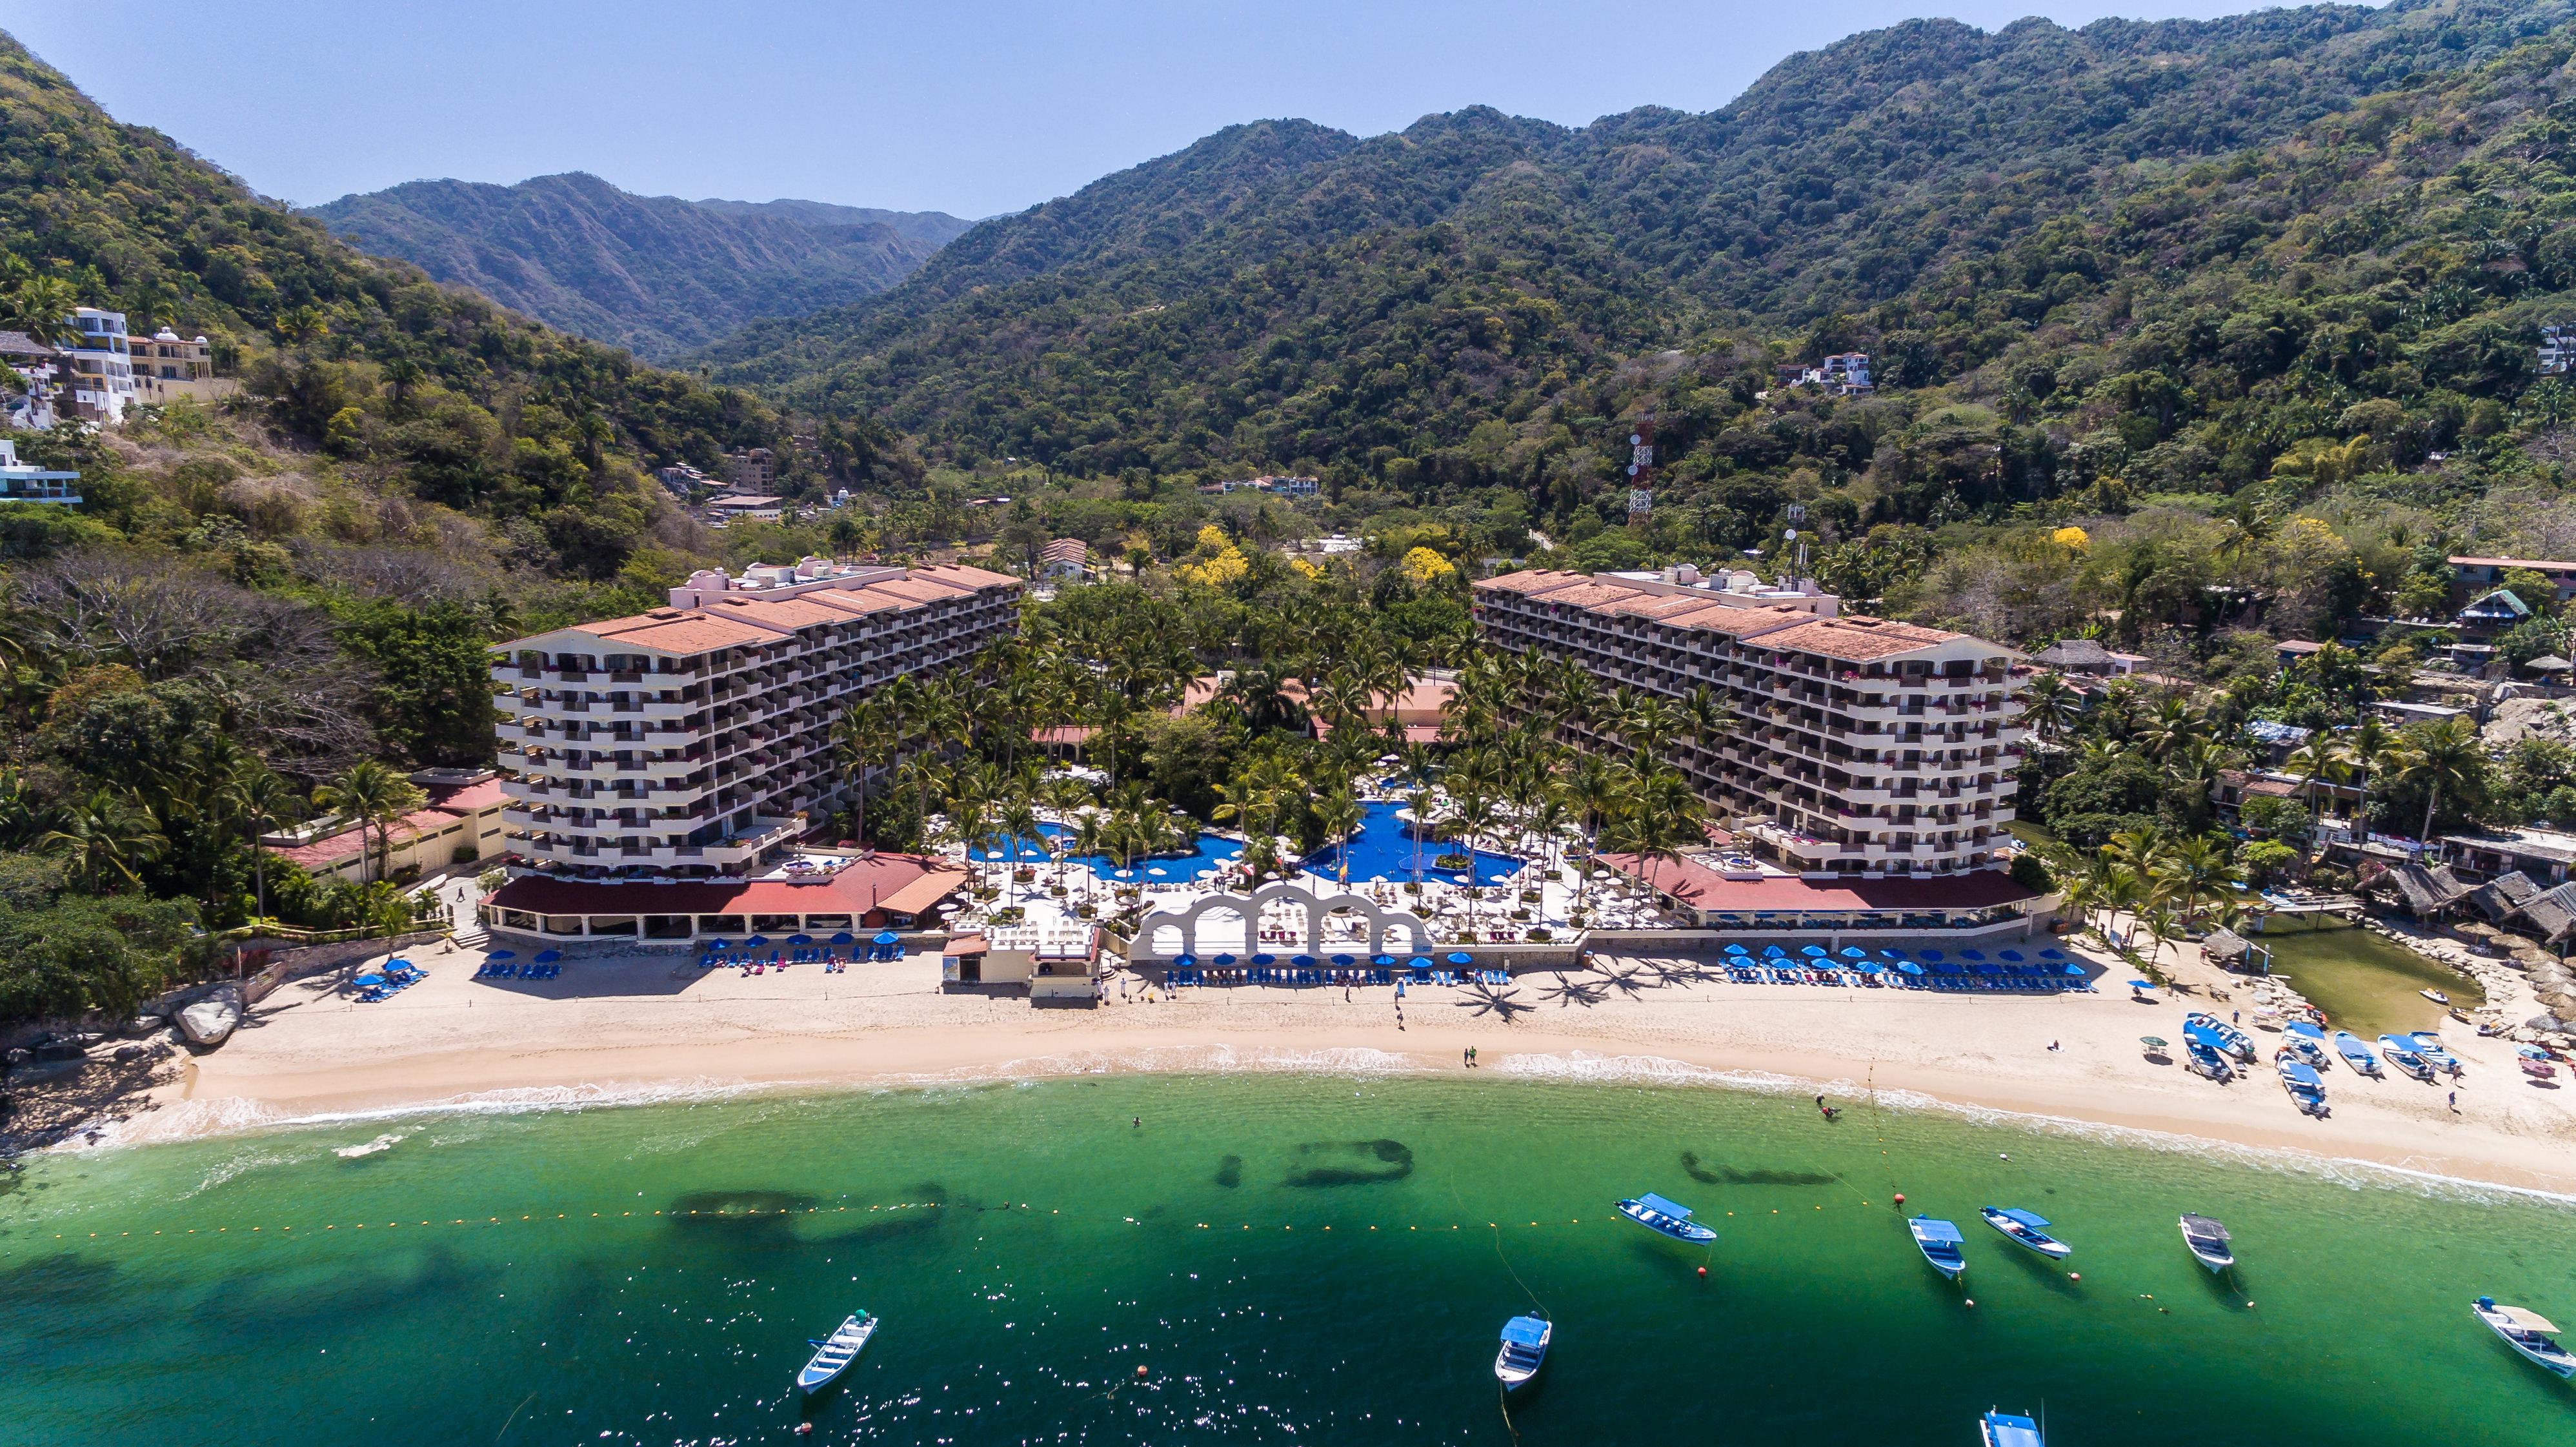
(460, 823)
(1871, 748)
(681, 744)
(866, 891)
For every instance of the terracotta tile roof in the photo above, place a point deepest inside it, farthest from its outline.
(1535, 580)
(854, 601)
(445, 807)
(1655, 605)
(1592, 596)
(896, 883)
(1707, 891)
(1739, 622)
(693, 633)
(1856, 639)
(970, 576)
(919, 589)
(785, 614)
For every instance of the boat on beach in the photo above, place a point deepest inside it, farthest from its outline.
(2306, 1042)
(2206, 1240)
(1671, 1218)
(2218, 1032)
(2355, 1054)
(2528, 1333)
(2401, 1052)
(2202, 1058)
(2025, 1228)
(2430, 1046)
(2003, 1429)
(1939, 1241)
(1525, 1340)
(2436, 996)
(833, 1354)
(2301, 1080)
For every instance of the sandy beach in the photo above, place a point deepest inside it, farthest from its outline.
(643, 1028)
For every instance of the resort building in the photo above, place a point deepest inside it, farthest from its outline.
(688, 744)
(1862, 749)
(99, 366)
(460, 823)
(827, 894)
(21, 482)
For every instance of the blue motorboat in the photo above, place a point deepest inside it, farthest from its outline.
(2024, 1228)
(2003, 1429)
(833, 1354)
(1525, 1340)
(2203, 1058)
(2401, 1052)
(2301, 1080)
(2430, 1046)
(1940, 1241)
(2218, 1032)
(1671, 1218)
(2528, 1333)
(2306, 1042)
(2355, 1054)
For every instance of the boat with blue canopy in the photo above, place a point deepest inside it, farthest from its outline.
(2430, 1046)
(2003, 1429)
(833, 1354)
(2355, 1054)
(2204, 1058)
(2301, 1080)
(1525, 1340)
(1670, 1218)
(2218, 1032)
(2528, 1333)
(2401, 1052)
(2025, 1228)
(2307, 1042)
(1939, 1242)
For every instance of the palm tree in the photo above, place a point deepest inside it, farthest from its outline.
(262, 802)
(104, 837)
(374, 797)
(2366, 748)
(2053, 706)
(1019, 821)
(2172, 727)
(860, 736)
(1473, 815)
(1091, 841)
(2441, 756)
(1339, 814)
(2197, 869)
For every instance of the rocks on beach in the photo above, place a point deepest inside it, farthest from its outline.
(212, 1020)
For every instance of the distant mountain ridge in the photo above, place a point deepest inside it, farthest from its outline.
(657, 275)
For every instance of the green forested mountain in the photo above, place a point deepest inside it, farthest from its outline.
(653, 274)
(1281, 292)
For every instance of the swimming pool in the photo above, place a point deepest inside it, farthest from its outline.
(1383, 851)
(1210, 851)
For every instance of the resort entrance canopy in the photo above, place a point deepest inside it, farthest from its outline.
(864, 892)
(1783, 904)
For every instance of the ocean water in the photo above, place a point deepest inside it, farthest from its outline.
(1243, 1258)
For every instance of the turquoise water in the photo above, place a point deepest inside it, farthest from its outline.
(1382, 850)
(1301, 1258)
(1206, 853)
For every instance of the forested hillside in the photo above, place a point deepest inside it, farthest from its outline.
(653, 274)
(1281, 292)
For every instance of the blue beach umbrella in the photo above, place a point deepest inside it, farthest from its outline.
(548, 957)
(1265, 959)
(2012, 955)
(1932, 955)
(883, 937)
(1909, 967)
(1970, 955)
(1418, 962)
(719, 945)
(2075, 969)
(1381, 961)
(845, 938)
(1345, 960)
(1735, 949)
(397, 963)
(1815, 952)
(1872, 967)
(1854, 952)
(2052, 954)
(800, 939)
(1185, 961)
(502, 955)
(369, 979)
(755, 942)
(1457, 958)
(1225, 959)
(1774, 952)
(2142, 984)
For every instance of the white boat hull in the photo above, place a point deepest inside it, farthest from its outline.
(2558, 1364)
(836, 1353)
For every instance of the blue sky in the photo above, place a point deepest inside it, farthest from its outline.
(968, 106)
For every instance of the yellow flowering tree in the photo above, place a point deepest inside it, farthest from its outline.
(1422, 565)
(2073, 539)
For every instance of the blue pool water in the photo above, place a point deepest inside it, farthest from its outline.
(1382, 850)
(1210, 851)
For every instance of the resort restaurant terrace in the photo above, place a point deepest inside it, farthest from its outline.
(1976, 903)
(816, 894)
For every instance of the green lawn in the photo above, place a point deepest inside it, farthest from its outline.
(2364, 983)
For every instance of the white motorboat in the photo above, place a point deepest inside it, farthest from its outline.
(2003, 1429)
(2400, 1051)
(1525, 1340)
(2026, 1229)
(2206, 1240)
(2355, 1054)
(1671, 1218)
(1939, 1242)
(833, 1354)
(2218, 1032)
(2300, 1079)
(2202, 1058)
(2529, 1333)
(2436, 996)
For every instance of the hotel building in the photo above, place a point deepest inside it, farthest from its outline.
(1867, 749)
(685, 745)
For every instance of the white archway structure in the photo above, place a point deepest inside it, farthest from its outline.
(1250, 906)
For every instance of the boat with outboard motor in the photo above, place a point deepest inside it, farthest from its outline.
(2301, 1080)
(2218, 1032)
(1525, 1340)
(2306, 1040)
(2003, 1429)
(2355, 1054)
(1939, 1241)
(2025, 1228)
(2436, 996)
(1670, 1218)
(2206, 1240)
(833, 1354)
(2430, 1046)
(2202, 1058)
(2401, 1052)
(2527, 1332)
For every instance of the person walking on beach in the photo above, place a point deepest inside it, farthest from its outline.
(2455, 1102)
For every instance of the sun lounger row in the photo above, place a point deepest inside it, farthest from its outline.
(393, 979)
(1284, 975)
(518, 972)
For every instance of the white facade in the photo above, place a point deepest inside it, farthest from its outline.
(98, 366)
(20, 482)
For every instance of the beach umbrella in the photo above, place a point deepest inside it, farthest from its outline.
(1932, 955)
(1301, 959)
(1265, 959)
(1854, 952)
(2012, 955)
(2075, 969)
(1381, 961)
(2052, 954)
(1909, 967)
(1418, 962)
(755, 942)
(2152, 1042)
(1157, 871)
(1345, 959)
(369, 979)
(1943, 967)
(1456, 958)
(1736, 949)
(800, 939)
(548, 957)
(1970, 955)
(1815, 952)
(719, 945)
(502, 955)
(883, 937)
(1872, 967)
(1185, 961)
(1774, 952)
(845, 938)
(1225, 959)
(397, 963)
